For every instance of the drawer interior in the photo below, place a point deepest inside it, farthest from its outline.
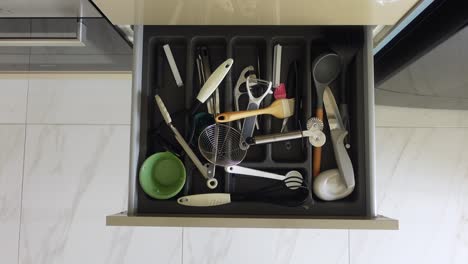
(251, 45)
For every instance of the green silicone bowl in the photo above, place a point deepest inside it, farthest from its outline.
(162, 175)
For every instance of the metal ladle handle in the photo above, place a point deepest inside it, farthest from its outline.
(316, 137)
(272, 138)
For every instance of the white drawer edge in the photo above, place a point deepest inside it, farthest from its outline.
(370, 122)
(375, 223)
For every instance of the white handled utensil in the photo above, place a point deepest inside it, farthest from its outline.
(173, 65)
(329, 186)
(211, 84)
(338, 133)
(211, 182)
(206, 199)
(338, 183)
(277, 193)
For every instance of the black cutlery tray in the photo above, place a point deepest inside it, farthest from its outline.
(244, 44)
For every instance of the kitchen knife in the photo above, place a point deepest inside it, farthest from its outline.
(212, 84)
(338, 133)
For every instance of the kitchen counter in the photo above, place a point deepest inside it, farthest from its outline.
(256, 12)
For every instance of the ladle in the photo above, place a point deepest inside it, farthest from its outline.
(325, 69)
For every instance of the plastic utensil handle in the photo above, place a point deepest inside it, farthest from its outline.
(249, 123)
(165, 114)
(252, 172)
(203, 170)
(277, 53)
(233, 116)
(173, 65)
(317, 152)
(249, 126)
(214, 80)
(265, 139)
(206, 199)
(341, 155)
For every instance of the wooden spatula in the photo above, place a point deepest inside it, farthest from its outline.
(281, 108)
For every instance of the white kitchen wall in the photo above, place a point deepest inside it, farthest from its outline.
(64, 151)
(13, 96)
(80, 101)
(13, 101)
(11, 172)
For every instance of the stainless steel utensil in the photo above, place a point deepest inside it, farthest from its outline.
(211, 182)
(316, 137)
(202, 79)
(207, 72)
(219, 144)
(277, 53)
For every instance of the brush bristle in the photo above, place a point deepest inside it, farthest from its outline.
(288, 107)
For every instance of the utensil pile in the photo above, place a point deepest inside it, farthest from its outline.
(226, 142)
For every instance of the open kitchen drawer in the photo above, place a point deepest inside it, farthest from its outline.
(252, 45)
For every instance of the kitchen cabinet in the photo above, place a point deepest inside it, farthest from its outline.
(105, 50)
(355, 212)
(48, 8)
(79, 41)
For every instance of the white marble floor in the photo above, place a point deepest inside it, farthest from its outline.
(64, 167)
